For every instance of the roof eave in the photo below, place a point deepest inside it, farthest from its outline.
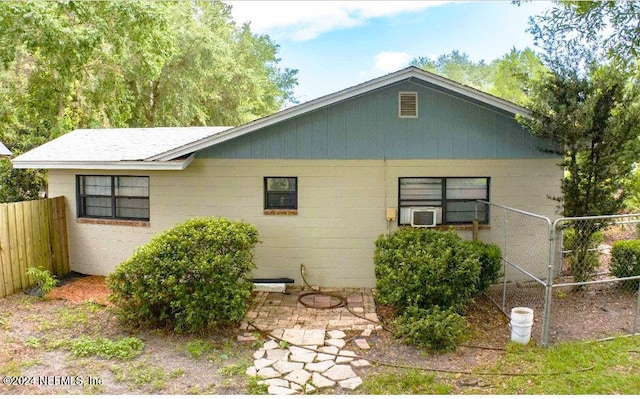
(105, 165)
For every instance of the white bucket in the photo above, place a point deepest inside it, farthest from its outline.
(521, 322)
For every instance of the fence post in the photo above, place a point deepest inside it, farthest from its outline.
(476, 228)
(504, 262)
(635, 318)
(548, 291)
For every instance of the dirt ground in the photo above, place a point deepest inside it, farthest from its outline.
(36, 336)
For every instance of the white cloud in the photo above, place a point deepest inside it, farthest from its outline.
(306, 20)
(389, 61)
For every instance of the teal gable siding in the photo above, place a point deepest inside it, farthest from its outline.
(368, 127)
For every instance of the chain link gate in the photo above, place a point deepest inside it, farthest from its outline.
(523, 238)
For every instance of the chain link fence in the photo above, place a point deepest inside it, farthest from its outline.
(595, 294)
(566, 272)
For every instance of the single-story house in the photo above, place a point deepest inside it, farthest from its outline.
(320, 180)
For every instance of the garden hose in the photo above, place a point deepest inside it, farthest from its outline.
(342, 301)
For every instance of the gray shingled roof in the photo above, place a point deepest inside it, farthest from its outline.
(115, 145)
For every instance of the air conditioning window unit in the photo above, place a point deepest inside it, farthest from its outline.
(424, 217)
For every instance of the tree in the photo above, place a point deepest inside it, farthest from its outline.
(508, 77)
(514, 74)
(632, 186)
(595, 121)
(589, 105)
(458, 67)
(76, 64)
(608, 28)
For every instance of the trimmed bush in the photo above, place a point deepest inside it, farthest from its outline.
(490, 263)
(625, 262)
(433, 328)
(425, 267)
(429, 277)
(192, 277)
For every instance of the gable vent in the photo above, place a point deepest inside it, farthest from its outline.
(408, 104)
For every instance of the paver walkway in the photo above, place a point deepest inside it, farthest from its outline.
(305, 369)
(313, 325)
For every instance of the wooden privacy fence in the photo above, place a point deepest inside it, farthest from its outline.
(32, 234)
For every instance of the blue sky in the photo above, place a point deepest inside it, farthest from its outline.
(338, 44)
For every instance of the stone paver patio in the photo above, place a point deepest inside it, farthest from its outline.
(312, 324)
(279, 311)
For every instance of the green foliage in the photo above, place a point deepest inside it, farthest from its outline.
(429, 277)
(608, 27)
(425, 267)
(33, 342)
(632, 187)
(199, 347)
(192, 277)
(508, 77)
(625, 262)
(76, 64)
(404, 382)
(582, 240)
(432, 328)
(590, 114)
(489, 256)
(514, 73)
(595, 121)
(458, 67)
(19, 184)
(236, 369)
(43, 279)
(607, 368)
(123, 349)
(141, 374)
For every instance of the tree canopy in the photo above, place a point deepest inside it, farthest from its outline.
(81, 64)
(601, 29)
(508, 77)
(589, 103)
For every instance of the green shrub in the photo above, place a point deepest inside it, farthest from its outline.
(425, 267)
(433, 328)
(582, 240)
(625, 262)
(192, 277)
(429, 277)
(489, 256)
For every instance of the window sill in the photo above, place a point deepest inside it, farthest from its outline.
(461, 227)
(281, 212)
(115, 222)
